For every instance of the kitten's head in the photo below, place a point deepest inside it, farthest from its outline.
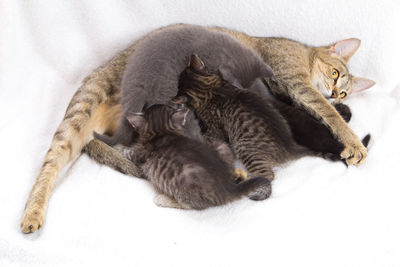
(330, 73)
(159, 120)
(197, 82)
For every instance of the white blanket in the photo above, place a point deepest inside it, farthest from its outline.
(320, 213)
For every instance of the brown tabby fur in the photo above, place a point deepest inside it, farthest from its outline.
(95, 107)
(258, 134)
(190, 174)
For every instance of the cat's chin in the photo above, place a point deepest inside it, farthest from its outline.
(331, 100)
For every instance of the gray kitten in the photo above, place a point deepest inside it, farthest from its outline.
(187, 173)
(152, 73)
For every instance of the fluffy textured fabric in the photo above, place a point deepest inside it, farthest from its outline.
(320, 213)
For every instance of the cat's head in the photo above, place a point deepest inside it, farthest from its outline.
(330, 73)
(159, 120)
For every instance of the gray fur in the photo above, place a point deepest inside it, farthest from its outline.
(151, 75)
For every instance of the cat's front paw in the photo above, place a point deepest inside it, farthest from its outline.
(354, 154)
(32, 220)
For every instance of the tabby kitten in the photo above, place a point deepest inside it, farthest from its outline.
(257, 133)
(151, 75)
(187, 173)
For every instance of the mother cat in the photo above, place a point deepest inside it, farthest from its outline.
(96, 105)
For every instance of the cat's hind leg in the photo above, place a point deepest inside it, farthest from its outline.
(74, 132)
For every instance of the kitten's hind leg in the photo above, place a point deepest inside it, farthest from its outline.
(256, 188)
(164, 201)
(225, 152)
(256, 162)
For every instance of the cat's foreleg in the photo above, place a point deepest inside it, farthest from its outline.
(314, 102)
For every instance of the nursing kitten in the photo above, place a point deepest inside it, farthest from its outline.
(257, 133)
(187, 173)
(151, 75)
(96, 104)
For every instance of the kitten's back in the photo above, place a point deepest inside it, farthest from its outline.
(162, 56)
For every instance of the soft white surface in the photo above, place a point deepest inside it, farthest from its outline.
(320, 213)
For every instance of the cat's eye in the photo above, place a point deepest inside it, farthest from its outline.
(343, 94)
(335, 74)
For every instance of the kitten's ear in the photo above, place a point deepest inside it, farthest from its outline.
(361, 84)
(266, 71)
(179, 117)
(227, 75)
(180, 99)
(346, 48)
(137, 120)
(197, 65)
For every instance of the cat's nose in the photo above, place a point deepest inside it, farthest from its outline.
(335, 93)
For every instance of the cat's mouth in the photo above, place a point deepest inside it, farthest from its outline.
(326, 91)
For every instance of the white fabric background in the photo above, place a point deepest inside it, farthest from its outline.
(320, 213)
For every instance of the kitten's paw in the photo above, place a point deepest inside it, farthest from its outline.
(32, 220)
(240, 175)
(354, 154)
(262, 191)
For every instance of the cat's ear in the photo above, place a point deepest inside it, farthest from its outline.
(346, 48)
(137, 120)
(179, 117)
(197, 65)
(361, 84)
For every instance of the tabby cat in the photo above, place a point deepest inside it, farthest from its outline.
(96, 105)
(187, 173)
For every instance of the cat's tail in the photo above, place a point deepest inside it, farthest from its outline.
(257, 188)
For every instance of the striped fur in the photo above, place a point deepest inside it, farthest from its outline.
(189, 173)
(256, 131)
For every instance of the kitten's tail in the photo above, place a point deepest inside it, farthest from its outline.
(257, 188)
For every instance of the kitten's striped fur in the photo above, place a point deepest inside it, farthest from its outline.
(189, 173)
